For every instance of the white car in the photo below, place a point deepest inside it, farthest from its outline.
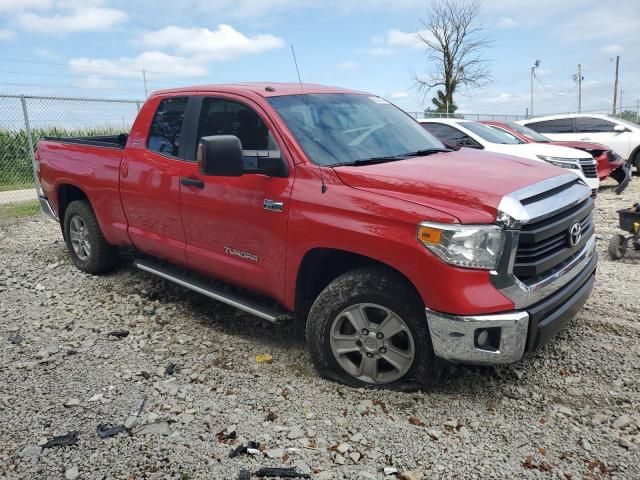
(465, 133)
(621, 136)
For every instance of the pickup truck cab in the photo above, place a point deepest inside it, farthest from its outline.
(335, 209)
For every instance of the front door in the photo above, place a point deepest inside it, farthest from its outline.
(236, 227)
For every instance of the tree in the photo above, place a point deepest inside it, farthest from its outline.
(441, 104)
(629, 115)
(454, 41)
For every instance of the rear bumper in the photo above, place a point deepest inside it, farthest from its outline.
(509, 335)
(46, 208)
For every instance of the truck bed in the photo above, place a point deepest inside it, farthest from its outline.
(112, 141)
(92, 165)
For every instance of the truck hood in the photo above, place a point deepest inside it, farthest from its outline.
(467, 184)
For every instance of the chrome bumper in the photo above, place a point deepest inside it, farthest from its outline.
(45, 206)
(455, 338)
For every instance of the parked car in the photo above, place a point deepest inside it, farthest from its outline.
(619, 135)
(301, 207)
(465, 133)
(609, 163)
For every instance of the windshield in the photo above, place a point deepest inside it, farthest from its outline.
(342, 128)
(491, 135)
(527, 132)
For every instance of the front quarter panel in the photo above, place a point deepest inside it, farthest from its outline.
(383, 229)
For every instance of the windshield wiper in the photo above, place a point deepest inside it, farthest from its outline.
(391, 158)
(370, 161)
(426, 151)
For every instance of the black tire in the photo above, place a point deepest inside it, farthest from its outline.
(102, 256)
(636, 162)
(617, 246)
(371, 286)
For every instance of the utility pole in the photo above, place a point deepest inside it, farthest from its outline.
(533, 69)
(579, 88)
(615, 86)
(620, 105)
(637, 110)
(144, 79)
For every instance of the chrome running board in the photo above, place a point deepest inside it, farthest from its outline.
(234, 300)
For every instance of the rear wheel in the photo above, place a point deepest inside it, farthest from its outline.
(368, 328)
(617, 246)
(87, 246)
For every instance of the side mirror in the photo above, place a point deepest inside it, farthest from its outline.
(220, 155)
(620, 129)
(223, 156)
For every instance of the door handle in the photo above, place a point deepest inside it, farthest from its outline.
(192, 182)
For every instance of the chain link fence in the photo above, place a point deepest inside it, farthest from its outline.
(468, 116)
(26, 119)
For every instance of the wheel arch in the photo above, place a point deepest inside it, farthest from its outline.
(320, 266)
(67, 193)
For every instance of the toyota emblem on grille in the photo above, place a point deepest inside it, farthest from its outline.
(575, 233)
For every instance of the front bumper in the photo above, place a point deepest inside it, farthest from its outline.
(510, 335)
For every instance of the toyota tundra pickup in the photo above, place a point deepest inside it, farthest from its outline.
(336, 209)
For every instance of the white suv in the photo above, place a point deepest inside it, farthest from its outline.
(465, 133)
(621, 136)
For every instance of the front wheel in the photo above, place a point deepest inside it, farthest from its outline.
(368, 328)
(86, 244)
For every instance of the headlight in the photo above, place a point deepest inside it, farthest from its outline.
(560, 162)
(469, 246)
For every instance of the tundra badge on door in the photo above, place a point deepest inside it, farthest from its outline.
(238, 253)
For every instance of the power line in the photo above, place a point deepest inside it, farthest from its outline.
(40, 74)
(88, 67)
(553, 93)
(68, 86)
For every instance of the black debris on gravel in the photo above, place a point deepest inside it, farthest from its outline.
(119, 333)
(106, 431)
(66, 440)
(280, 472)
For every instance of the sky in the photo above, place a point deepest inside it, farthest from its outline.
(98, 48)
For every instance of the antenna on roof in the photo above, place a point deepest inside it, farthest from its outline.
(323, 189)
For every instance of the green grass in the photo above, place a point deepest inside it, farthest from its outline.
(16, 171)
(22, 209)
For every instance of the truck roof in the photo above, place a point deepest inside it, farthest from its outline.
(264, 89)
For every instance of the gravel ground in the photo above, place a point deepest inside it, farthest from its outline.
(570, 411)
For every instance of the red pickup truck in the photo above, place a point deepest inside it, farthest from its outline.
(336, 209)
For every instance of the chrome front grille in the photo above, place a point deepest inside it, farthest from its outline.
(539, 256)
(545, 244)
(589, 168)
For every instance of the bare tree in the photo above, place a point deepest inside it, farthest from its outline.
(455, 41)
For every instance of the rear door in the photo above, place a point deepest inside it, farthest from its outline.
(150, 180)
(236, 227)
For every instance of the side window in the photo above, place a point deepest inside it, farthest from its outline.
(447, 133)
(561, 125)
(227, 117)
(165, 132)
(590, 125)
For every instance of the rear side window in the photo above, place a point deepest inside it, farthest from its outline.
(561, 125)
(590, 125)
(166, 129)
